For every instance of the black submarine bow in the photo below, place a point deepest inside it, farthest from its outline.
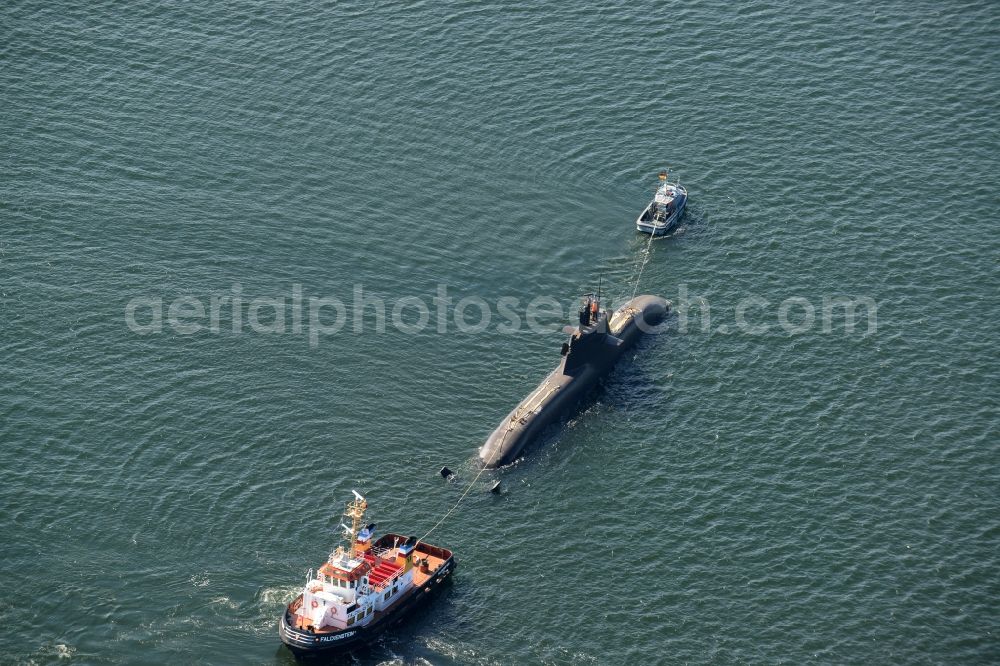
(595, 345)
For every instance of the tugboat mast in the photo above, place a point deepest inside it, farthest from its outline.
(356, 512)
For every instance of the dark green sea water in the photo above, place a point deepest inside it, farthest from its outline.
(733, 495)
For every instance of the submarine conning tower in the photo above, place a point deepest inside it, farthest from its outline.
(588, 342)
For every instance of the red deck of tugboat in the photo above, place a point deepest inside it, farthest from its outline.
(381, 571)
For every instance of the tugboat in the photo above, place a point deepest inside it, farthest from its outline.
(595, 345)
(665, 210)
(363, 588)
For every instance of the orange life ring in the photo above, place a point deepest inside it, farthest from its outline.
(315, 604)
(333, 610)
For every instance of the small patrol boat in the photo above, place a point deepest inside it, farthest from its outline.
(665, 210)
(362, 589)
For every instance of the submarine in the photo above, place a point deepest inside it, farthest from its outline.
(594, 346)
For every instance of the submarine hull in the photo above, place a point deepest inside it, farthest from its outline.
(592, 354)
